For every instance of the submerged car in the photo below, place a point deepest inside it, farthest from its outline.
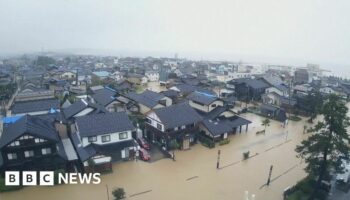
(144, 155)
(143, 143)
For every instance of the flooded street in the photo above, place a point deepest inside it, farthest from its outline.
(194, 175)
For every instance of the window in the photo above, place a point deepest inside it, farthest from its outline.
(28, 154)
(92, 139)
(106, 138)
(213, 105)
(148, 120)
(39, 140)
(159, 126)
(123, 135)
(15, 143)
(46, 151)
(11, 156)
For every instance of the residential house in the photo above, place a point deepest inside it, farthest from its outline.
(100, 75)
(247, 88)
(30, 143)
(273, 112)
(152, 76)
(107, 98)
(204, 102)
(149, 100)
(34, 107)
(177, 122)
(137, 79)
(68, 75)
(220, 127)
(80, 108)
(302, 76)
(110, 134)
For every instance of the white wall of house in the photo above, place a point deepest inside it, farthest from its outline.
(279, 92)
(152, 76)
(154, 120)
(114, 138)
(144, 109)
(112, 107)
(206, 108)
(84, 112)
(168, 102)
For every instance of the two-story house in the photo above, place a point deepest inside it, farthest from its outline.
(149, 100)
(110, 134)
(204, 102)
(247, 88)
(34, 107)
(153, 76)
(107, 98)
(31, 143)
(177, 122)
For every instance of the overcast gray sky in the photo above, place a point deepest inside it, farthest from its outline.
(304, 30)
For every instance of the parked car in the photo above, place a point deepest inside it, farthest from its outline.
(143, 143)
(345, 176)
(144, 155)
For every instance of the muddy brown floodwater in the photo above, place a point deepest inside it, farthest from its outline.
(194, 175)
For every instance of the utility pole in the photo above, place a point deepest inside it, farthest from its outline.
(289, 95)
(218, 161)
(107, 192)
(270, 173)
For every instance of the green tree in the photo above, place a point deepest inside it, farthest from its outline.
(315, 102)
(119, 194)
(329, 142)
(265, 123)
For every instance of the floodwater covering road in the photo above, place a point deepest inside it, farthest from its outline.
(194, 175)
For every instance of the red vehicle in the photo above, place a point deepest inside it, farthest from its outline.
(144, 155)
(142, 142)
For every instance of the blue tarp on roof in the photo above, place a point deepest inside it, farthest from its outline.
(10, 120)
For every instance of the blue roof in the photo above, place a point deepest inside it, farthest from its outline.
(101, 73)
(10, 120)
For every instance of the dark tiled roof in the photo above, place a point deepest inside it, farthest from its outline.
(34, 106)
(171, 93)
(223, 125)
(217, 127)
(80, 105)
(215, 113)
(253, 83)
(27, 124)
(202, 98)
(104, 96)
(185, 88)
(269, 107)
(84, 153)
(177, 115)
(99, 124)
(147, 98)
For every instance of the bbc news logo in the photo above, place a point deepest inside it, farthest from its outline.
(46, 178)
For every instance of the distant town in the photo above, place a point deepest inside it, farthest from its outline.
(86, 113)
